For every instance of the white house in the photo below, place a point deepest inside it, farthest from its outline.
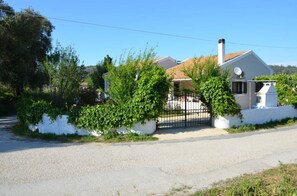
(244, 66)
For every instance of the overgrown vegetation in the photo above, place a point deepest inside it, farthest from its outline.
(48, 81)
(213, 85)
(141, 97)
(278, 181)
(268, 125)
(31, 109)
(95, 79)
(137, 90)
(64, 75)
(286, 87)
(217, 93)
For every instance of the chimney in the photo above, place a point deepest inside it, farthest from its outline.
(221, 51)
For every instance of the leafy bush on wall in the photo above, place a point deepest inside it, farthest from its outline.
(30, 110)
(146, 102)
(217, 93)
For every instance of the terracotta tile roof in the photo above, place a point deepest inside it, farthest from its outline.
(177, 71)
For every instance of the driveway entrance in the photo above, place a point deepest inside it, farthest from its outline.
(184, 110)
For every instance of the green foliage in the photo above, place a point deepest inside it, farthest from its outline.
(144, 100)
(95, 79)
(64, 75)
(213, 86)
(268, 125)
(217, 94)
(30, 110)
(286, 87)
(278, 181)
(114, 136)
(122, 79)
(202, 69)
(25, 39)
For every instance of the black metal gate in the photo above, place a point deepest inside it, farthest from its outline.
(184, 110)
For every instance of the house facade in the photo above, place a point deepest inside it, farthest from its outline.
(243, 66)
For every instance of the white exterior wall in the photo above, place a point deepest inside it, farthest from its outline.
(252, 66)
(256, 116)
(60, 126)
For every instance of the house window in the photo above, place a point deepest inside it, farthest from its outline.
(258, 87)
(239, 87)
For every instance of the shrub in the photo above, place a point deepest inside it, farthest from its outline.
(143, 100)
(213, 86)
(217, 93)
(30, 110)
(64, 75)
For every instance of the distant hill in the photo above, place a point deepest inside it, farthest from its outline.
(90, 68)
(278, 69)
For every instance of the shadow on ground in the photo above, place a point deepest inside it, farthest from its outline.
(10, 142)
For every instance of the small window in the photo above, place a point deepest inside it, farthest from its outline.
(239, 87)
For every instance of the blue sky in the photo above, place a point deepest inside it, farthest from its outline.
(266, 23)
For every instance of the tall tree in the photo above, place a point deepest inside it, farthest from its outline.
(97, 79)
(64, 74)
(25, 39)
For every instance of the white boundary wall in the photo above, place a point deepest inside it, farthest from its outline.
(255, 116)
(60, 126)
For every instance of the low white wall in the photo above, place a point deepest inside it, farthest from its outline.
(255, 116)
(60, 126)
(149, 127)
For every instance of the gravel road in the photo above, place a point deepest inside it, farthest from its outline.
(34, 167)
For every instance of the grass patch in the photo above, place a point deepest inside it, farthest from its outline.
(269, 125)
(21, 130)
(278, 181)
(114, 137)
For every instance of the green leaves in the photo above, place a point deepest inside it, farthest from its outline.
(64, 74)
(217, 93)
(286, 87)
(136, 98)
(133, 101)
(25, 41)
(213, 85)
(30, 110)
